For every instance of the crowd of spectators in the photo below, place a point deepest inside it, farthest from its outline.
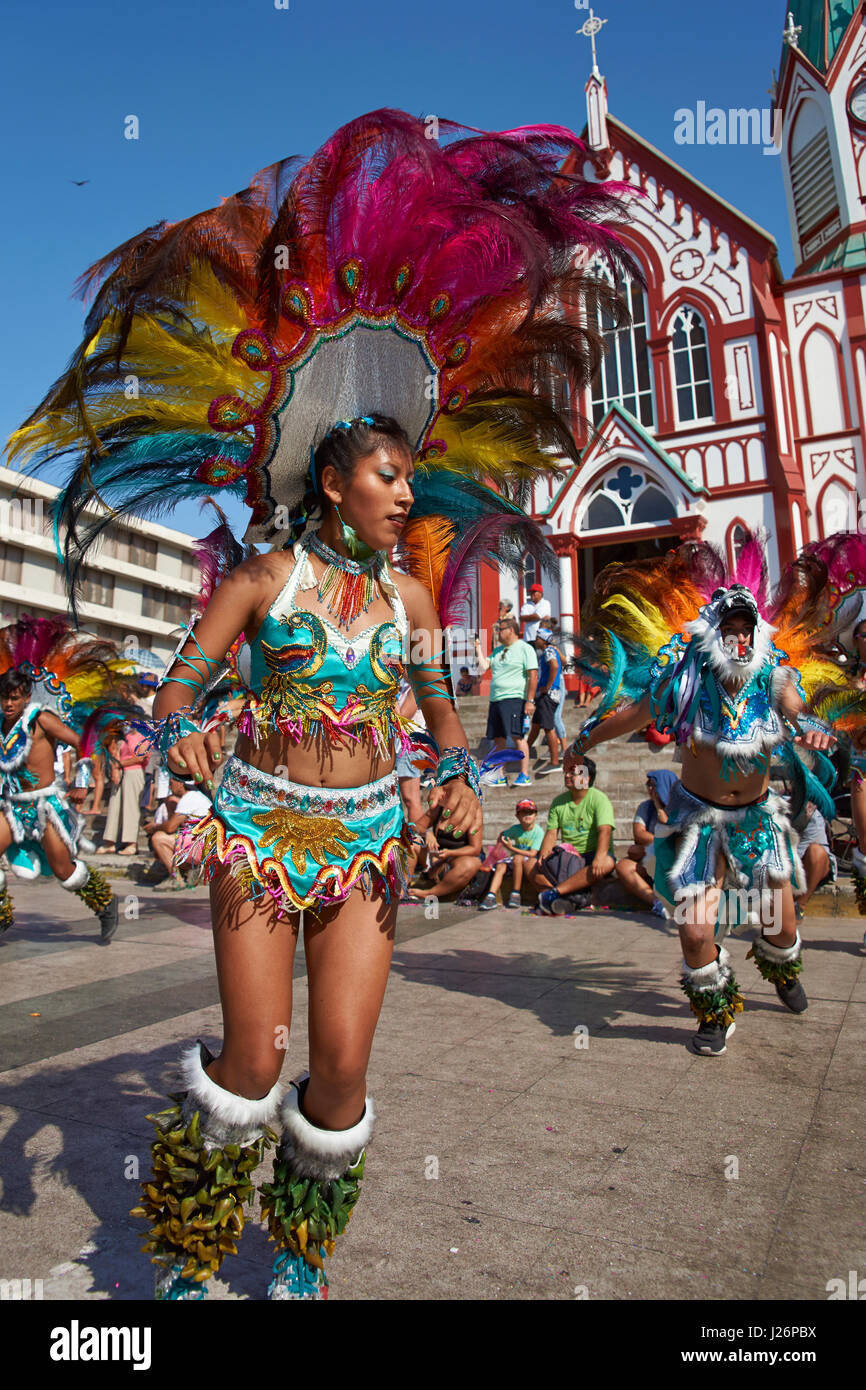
(142, 808)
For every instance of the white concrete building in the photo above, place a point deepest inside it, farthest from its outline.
(139, 582)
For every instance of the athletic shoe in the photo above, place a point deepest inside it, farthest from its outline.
(546, 900)
(793, 996)
(500, 781)
(108, 920)
(799, 912)
(710, 1039)
(658, 909)
(547, 768)
(171, 1286)
(522, 781)
(514, 900)
(574, 902)
(488, 902)
(296, 1281)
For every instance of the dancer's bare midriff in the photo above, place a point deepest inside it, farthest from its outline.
(701, 775)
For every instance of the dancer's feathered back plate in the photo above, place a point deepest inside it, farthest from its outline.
(433, 280)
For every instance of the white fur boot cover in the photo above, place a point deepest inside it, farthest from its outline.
(780, 955)
(321, 1153)
(226, 1118)
(77, 878)
(711, 977)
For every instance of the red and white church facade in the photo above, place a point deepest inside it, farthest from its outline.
(736, 398)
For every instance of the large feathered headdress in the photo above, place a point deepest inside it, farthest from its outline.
(443, 281)
(69, 672)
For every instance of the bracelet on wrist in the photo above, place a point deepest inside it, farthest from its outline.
(456, 762)
(175, 726)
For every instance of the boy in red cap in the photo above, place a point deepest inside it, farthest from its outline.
(517, 846)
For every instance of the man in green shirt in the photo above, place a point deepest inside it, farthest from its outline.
(575, 854)
(513, 669)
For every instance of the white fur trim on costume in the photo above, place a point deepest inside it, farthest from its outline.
(708, 638)
(77, 878)
(2, 880)
(709, 976)
(780, 954)
(322, 1153)
(224, 1106)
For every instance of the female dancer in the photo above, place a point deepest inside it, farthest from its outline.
(393, 277)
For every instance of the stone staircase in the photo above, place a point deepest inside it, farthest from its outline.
(622, 768)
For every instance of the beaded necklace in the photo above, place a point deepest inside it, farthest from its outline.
(347, 587)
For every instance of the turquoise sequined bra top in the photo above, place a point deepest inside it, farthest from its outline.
(307, 678)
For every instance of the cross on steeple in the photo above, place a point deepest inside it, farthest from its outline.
(589, 30)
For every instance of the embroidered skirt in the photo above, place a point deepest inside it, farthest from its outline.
(306, 846)
(757, 843)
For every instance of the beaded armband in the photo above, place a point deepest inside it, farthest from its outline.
(429, 680)
(173, 727)
(809, 721)
(202, 678)
(456, 762)
(581, 742)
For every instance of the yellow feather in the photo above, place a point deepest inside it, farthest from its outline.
(196, 366)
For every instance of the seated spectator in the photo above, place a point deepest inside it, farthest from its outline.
(575, 855)
(465, 685)
(167, 835)
(517, 848)
(452, 861)
(635, 872)
(818, 860)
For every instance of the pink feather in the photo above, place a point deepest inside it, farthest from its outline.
(503, 540)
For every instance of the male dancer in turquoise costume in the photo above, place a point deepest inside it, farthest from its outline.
(731, 704)
(39, 829)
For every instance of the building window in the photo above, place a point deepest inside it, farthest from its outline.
(736, 541)
(602, 514)
(531, 573)
(142, 551)
(97, 587)
(651, 506)
(11, 557)
(115, 544)
(627, 498)
(624, 377)
(691, 366)
(167, 607)
(189, 569)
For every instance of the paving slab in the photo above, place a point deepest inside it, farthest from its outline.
(544, 1130)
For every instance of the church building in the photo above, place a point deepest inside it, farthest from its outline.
(736, 397)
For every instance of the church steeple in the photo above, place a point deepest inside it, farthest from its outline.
(822, 25)
(822, 97)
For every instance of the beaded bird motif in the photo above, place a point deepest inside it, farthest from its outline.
(288, 702)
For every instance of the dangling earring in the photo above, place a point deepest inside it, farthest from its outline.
(358, 549)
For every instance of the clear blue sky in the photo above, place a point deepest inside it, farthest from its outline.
(223, 87)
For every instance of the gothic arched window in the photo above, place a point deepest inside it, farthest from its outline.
(691, 366)
(624, 376)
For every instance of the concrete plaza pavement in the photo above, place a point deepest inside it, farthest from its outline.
(543, 1131)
